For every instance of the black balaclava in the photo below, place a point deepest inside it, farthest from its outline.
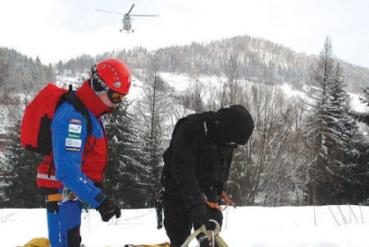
(234, 125)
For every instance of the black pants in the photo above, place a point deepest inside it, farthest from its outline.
(178, 223)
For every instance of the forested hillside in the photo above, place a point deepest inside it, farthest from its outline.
(19, 72)
(246, 57)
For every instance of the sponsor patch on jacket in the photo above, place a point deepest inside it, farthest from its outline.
(75, 121)
(73, 144)
(75, 127)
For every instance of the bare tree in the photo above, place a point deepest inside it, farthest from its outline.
(192, 98)
(264, 171)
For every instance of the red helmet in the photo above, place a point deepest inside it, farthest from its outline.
(111, 74)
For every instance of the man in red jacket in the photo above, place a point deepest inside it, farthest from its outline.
(74, 171)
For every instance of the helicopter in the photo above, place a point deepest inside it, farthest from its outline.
(126, 21)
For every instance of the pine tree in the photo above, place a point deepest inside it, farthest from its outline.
(330, 132)
(19, 172)
(357, 183)
(319, 132)
(153, 134)
(151, 111)
(125, 176)
(347, 148)
(363, 117)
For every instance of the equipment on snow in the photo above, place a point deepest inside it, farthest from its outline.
(166, 244)
(213, 236)
(36, 122)
(38, 242)
(225, 201)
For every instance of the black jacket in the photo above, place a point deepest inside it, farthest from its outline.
(194, 165)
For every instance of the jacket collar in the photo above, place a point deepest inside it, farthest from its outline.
(91, 100)
(211, 127)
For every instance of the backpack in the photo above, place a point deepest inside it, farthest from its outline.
(36, 123)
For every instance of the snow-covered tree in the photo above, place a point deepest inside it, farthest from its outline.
(330, 132)
(318, 132)
(358, 181)
(18, 71)
(19, 170)
(152, 110)
(125, 176)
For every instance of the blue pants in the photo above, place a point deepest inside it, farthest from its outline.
(63, 221)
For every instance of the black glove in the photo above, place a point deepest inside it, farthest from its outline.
(108, 209)
(211, 225)
(203, 240)
(199, 214)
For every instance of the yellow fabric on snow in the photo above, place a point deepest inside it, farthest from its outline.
(38, 242)
(152, 245)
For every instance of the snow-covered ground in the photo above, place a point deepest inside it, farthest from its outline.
(327, 226)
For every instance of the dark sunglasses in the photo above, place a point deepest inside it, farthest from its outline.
(115, 97)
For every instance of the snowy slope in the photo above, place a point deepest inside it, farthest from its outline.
(332, 226)
(180, 83)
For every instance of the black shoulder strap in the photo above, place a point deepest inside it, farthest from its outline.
(79, 106)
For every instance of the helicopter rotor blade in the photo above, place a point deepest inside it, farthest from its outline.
(129, 11)
(110, 12)
(145, 15)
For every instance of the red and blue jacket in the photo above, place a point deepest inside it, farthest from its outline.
(78, 160)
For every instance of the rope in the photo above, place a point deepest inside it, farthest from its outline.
(215, 235)
(220, 241)
(202, 229)
(227, 202)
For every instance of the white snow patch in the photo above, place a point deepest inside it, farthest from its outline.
(306, 226)
(357, 104)
(179, 82)
(291, 92)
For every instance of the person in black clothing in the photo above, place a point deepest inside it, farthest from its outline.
(196, 168)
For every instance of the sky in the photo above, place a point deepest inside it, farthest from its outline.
(62, 29)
